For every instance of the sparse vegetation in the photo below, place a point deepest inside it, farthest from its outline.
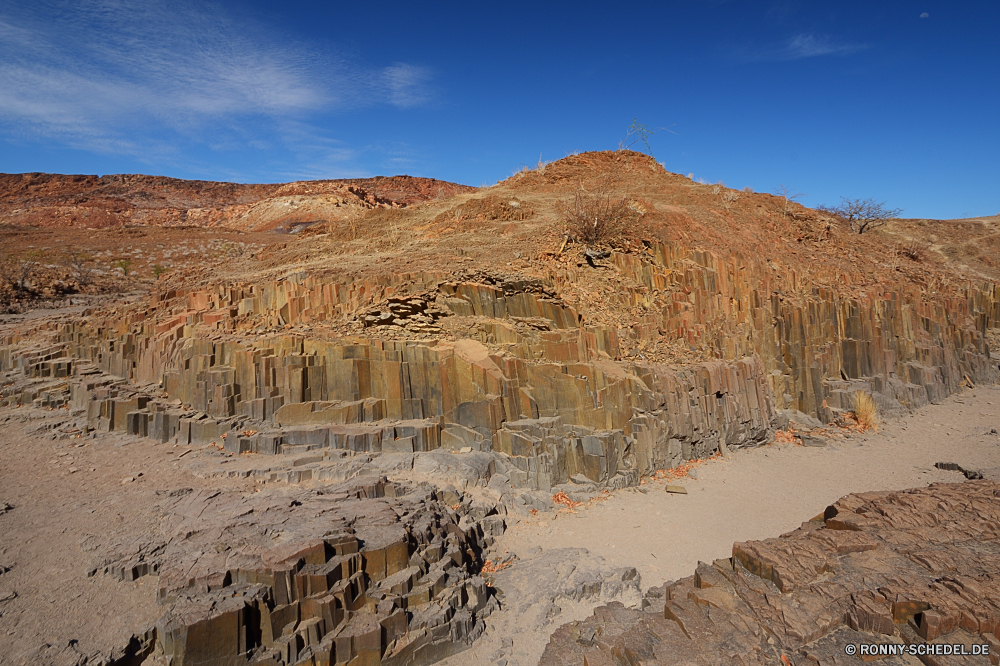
(381, 225)
(81, 265)
(863, 214)
(16, 271)
(729, 197)
(124, 265)
(159, 270)
(865, 411)
(637, 133)
(788, 196)
(491, 208)
(915, 250)
(230, 250)
(604, 213)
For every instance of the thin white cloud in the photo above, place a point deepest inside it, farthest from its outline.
(406, 84)
(807, 45)
(125, 75)
(810, 46)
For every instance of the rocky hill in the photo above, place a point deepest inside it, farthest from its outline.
(95, 202)
(585, 324)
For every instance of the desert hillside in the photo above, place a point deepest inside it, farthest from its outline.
(95, 202)
(347, 393)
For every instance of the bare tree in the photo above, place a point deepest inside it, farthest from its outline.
(864, 214)
(636, 133)
(28, 264)
(81, 264)
(787, 195)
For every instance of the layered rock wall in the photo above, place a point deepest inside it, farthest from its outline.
(541, 385)
(908, 346)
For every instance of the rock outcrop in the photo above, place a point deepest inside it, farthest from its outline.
(906, 568)
(552, 404)
(363, 572)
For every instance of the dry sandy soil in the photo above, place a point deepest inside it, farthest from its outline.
(67, 493)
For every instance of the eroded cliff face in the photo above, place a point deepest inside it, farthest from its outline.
(496, 336)
(533, 381)
(553, 403)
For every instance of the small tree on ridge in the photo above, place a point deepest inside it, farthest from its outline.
(864, 214)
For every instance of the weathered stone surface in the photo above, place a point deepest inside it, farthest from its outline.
(547, 421)
(364, 570)
(534, 359)
(905, 567)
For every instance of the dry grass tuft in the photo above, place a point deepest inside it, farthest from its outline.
(865, 411)
(382, 226)
(915, 250)
(603, 214)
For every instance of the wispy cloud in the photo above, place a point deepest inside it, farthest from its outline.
(131, 76)
(810, 46)
(406, 84)
(806, 45)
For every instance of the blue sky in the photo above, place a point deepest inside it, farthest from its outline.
(897, 99)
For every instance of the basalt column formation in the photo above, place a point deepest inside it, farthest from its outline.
(539, 389)
(531, 381)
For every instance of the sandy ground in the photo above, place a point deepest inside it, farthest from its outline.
(68, 497)
(754, 494)
(761, 493)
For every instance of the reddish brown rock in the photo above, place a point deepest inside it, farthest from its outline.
(911, 567)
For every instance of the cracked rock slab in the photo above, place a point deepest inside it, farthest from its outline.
(903, 567)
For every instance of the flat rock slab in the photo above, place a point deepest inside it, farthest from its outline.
(680, 490)
(904, 567)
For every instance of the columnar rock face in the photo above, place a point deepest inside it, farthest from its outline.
(904, 568)
(363, 572)
(533, 381)
(548, 421)
(817, 344)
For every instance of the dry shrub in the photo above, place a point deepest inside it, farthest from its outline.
(729, 197)
(865, 411)
(490, 208)
(603, 214)
(915, 250)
